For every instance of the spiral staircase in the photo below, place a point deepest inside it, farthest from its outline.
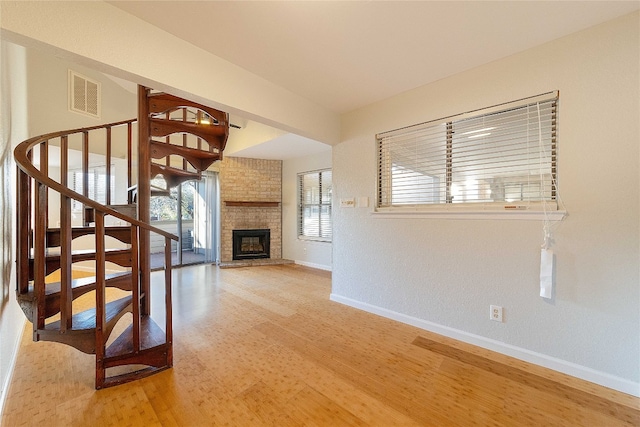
(176, 139)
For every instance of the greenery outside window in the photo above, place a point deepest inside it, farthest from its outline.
(165, 208)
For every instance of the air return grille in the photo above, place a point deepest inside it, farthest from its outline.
(84, 95)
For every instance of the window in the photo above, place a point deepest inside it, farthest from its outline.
(97, 187)
(165, 207)
(502, 157)
(314, 205)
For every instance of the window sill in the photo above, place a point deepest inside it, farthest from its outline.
(314, 239)
(527, 215)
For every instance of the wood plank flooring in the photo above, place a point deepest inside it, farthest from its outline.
(264, 346)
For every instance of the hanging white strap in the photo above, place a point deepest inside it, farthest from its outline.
(546, 273)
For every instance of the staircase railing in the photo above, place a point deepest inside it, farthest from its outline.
(164, 131)
(34, 184)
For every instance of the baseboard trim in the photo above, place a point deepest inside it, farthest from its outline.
(559, 365)
(314, 265)
(12, 364)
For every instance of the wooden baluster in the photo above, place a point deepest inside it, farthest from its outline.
(66, 278)
(144, 196)
(85, 176)
(184, 138)
(23, 209)
(129, 162)
(40, 250)
(108, 167)
(185, 166)
(44, 168)
(167, 300)
(30, 187)
(198, 120)
(135, 286)
(100, 298)
(167, 140)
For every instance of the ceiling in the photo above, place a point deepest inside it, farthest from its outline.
(344, 55)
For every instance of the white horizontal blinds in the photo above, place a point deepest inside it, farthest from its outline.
(504, 155)
(97, 188)
(314, 219)
(412, 167)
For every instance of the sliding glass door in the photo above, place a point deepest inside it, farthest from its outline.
(190, 212)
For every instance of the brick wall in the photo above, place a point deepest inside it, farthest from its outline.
(250, 180)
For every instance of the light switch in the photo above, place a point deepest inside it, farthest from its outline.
(347, 203)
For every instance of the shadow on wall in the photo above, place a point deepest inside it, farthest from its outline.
(6, 248)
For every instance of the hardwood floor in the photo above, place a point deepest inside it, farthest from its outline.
(265, 346)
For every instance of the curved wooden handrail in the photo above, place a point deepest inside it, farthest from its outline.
(23, 162)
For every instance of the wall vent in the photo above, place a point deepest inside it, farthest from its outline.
(84, 95)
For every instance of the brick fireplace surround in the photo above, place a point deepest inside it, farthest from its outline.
(258, 182)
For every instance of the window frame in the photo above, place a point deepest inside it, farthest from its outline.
(301, 205)
(545, 209)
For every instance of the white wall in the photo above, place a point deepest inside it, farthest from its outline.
(443, 274)
(47, 83)
(48, 100)
(304, 252)
(13, 129)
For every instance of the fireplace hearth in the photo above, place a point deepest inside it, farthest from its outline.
(251, 244)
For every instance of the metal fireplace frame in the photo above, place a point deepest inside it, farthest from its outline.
(263, 233)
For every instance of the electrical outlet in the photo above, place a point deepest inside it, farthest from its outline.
(495, 313)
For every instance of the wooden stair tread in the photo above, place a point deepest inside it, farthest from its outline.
(155, 191)
(79, 284)
(151, 336)
(129, 209)
(88, 282)
(162, 102)
(79, 287)
(173, 171)
(215, 135)
(199, 159)
(82, 335)
(201, 154)
(122, 233)
(173, 176)
(53, 253)
(121, 257)
(86, 320)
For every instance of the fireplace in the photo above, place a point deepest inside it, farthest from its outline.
(251, 244)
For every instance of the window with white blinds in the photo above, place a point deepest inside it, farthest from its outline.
(97, 184)
(314, 205)
(501, 157)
